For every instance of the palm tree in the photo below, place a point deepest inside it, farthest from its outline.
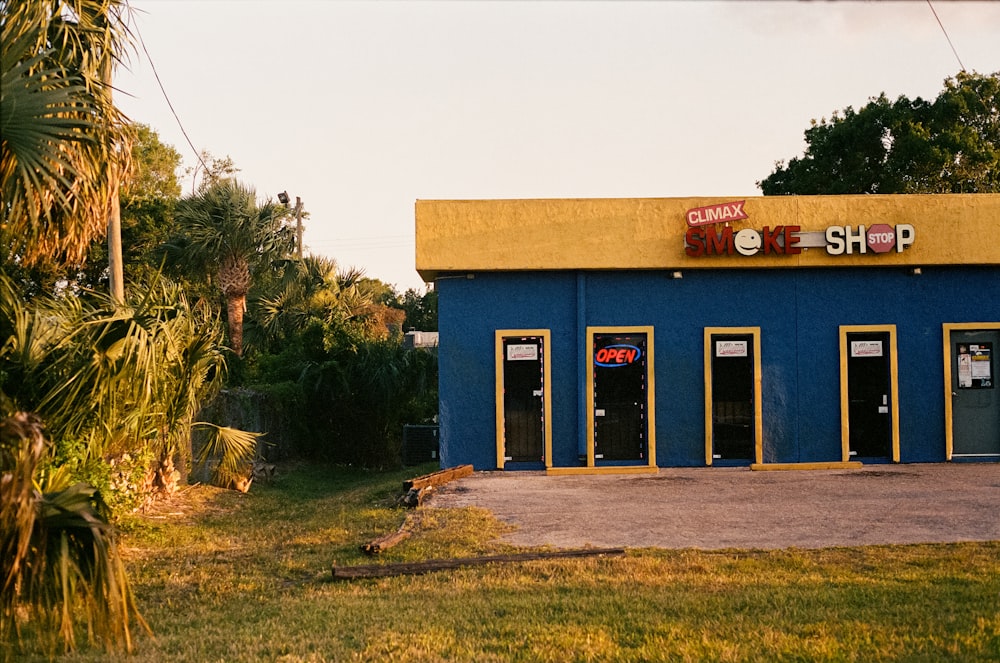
(113, 377)
(316, 289)
(106, 377)
(59, 561)
(223, 230)
(62, 140)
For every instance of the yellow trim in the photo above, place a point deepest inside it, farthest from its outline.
(648, 233)
(650, 392)
(849, 465)
(758, 431)
(546, 336)
(946, 330)
(845, 426)
(615, 469)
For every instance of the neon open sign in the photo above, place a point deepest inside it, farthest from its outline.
(613, 356)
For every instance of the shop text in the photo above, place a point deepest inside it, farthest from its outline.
(880, 238)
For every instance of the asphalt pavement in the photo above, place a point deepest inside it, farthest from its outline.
(724, 508)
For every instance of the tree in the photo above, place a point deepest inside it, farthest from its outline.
(63, 148)
(223, 232)
(950, 145)
(154, 176)
(149, 192)
(211, 169)
(102, 374)
(421, 309)
(59, 561)
(106, 378)
(63, 141)
(148, 196)
(316, 290)
(109, 377)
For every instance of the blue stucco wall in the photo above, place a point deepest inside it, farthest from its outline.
(799, 313)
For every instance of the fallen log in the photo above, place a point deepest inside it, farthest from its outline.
(415, 497)
(385, 542)
(418, 568)
(437, 478)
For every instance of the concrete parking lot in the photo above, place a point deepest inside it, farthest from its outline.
(719, 508)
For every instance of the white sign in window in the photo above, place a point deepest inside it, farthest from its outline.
(522, 352)
(980, 361)
(730, 348)
(866, 348)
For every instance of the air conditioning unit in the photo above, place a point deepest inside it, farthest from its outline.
(420, 444)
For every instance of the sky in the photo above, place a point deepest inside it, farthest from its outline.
(363, 108)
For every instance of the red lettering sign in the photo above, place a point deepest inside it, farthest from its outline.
(720, 213)
(616, 355)
(791, 240)
(780, 240)
(771, 240)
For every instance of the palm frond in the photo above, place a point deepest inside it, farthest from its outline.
(126, 375)
(233, 448)
(63, 140)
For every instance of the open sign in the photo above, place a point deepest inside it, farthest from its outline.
(613, 356)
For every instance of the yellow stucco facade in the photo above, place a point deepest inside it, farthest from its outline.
(649, 233)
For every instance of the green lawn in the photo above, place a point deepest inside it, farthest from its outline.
(222, 576)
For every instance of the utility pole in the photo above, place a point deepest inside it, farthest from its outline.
(116, 271)
(298, 226)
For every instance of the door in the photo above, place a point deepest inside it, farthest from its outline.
(975, 403)
(869, 395)
(732, 394)
(523, 398)
(620, 396)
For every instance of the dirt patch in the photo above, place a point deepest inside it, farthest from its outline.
(718, 508)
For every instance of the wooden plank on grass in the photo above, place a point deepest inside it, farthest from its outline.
(383, 543)
(417, 568)
(437, 478)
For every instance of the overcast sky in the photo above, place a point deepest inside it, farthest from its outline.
(361, 108)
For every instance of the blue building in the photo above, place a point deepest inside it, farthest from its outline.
(623, 335)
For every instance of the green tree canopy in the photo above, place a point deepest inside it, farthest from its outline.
(950, 145)
(155, 166)
(421, 309)
(63, 140)
(150, 190)
(224, 234)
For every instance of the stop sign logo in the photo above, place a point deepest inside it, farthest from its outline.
(881, 238)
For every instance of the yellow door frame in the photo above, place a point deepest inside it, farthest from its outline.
(758, 426)
(546, 336)
(650, 399)
(845, 426)
(946, 330)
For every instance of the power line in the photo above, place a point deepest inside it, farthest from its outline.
(946, 35)
(135, 24)
(357, 248)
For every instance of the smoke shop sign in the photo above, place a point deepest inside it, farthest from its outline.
(704, 240)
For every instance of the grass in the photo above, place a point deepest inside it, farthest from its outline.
(222, 576)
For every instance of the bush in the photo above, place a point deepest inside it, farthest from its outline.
(361, 398)
(58, 551)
